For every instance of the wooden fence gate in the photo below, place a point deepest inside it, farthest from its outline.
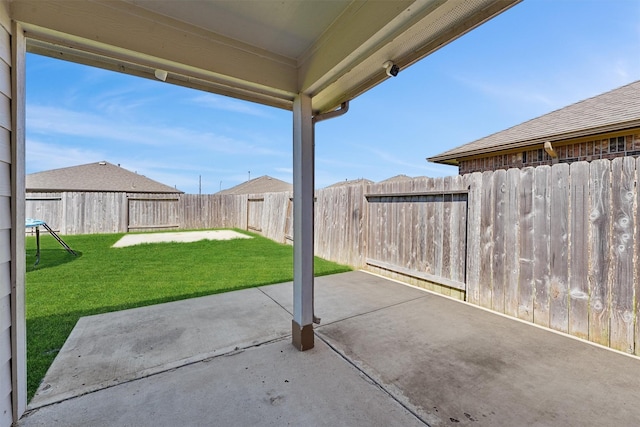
(422, 235)
(153, 213)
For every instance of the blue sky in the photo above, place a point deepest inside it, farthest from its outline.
(539, 56)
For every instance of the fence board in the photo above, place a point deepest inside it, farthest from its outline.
(342, 213)
(438, 238)
(599, 184)
(622, 266)
(541, 251)
(559, 284)
(512, 243)
(393, 235)
(362, 214)
(429, 209)
(636, 280)
(526, 278)
(400, 226)
(459, 237)
(486, 240)
(458, 231)
(499, 249)
(361, 219)
(447, 224)
(474, 182)
(579, 251)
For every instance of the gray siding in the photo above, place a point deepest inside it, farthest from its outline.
(6, 411)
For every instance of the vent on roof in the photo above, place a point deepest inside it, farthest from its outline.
(102, 163)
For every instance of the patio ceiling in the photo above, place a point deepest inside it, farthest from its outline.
(263, 51)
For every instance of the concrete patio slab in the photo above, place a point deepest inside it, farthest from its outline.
(110, 348)
(270, 385)
(386, 354)
(456, 364)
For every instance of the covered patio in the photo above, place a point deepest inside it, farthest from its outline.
(310, 57)
(386, 354)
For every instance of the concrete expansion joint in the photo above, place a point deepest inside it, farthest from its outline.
(274, 300)
(238, 349)
(364, 313)
(371, 379)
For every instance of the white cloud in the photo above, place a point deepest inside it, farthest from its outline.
(420, 165)
(51, 121)
(520, 92)
(43, 156)
(220, 102)
(284, 170)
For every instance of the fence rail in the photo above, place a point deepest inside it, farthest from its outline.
(557, 245)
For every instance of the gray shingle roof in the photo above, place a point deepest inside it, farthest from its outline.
(263, 184)
(99, 176)
(397, 178)
(351, 182)
(611, 111)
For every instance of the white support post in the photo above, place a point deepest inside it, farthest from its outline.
(303, 211)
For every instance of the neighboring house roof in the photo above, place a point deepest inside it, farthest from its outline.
(263, 184)
(351, 182)
(397, 178)
(609, 112)
(100, 176)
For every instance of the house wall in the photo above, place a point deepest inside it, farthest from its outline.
(11, 288)
(601, 147)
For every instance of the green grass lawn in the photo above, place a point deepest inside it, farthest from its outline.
(63, 288)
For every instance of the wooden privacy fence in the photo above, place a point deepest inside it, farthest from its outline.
(92, 212)
(418, 228)
(556, 246)
(79, 213)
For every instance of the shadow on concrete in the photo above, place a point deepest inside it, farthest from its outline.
(386, 354)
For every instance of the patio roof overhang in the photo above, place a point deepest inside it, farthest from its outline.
(262, 51)
(307, 56)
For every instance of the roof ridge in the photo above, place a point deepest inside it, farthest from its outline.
(99, 176)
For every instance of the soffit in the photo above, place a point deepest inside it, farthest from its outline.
(259, 50)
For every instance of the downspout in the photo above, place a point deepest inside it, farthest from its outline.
(344, 107)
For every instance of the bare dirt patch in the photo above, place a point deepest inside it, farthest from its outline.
(180, 236)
